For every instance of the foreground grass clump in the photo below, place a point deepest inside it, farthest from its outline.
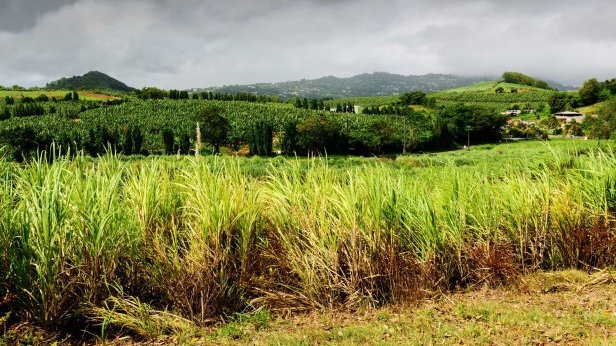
(156, 246)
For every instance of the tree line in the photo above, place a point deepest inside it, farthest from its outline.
(318, 133)
(152, 93)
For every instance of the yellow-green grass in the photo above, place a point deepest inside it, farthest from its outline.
(564, 307)
(491, 86)
(572, 308)
(160, 247)
(592, 109)
(58, 94)
(482, 93)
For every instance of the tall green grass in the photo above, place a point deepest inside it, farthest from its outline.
(81, 241)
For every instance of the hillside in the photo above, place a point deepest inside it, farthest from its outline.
(496, 94)
(367, 84)
(481, 93)
(92, 80)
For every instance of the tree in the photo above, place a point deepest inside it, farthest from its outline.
(174, 94)
(485, 124)
(318, 134)
(5, 113)
(42, 98)
(413, 98)
(168, 141)
(185, 144)
(604, 126)
(9, 100)
(288, 144)
(519, 78)
(214, 126)
(589, 93)
(260, 138)
(68, 97)
(129, 143)
(379, 136)
(75, 96)
(151, 93)
(561, 101)
(137, 140)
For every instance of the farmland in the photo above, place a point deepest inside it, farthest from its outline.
(58, 94)
(165, 215)
(159, 246)
(482, 94)
(486, 94)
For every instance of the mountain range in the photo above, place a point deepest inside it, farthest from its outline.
(367, 84)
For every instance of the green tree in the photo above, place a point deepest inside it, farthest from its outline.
(185, 144)
(561, 101)
(42, 98)
(413, 98)
(168, 141)
(128, 144)
(288, 143)
(590, 91)
(5, 113)
(604, 126)
(214, 126)
(318, 134)
(75, 96)
(260, 138)
(137, 140)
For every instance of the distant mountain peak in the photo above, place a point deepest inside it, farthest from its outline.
(93, 80)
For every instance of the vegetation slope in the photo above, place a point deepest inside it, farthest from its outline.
(92, 80)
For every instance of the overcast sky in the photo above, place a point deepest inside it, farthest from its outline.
(200, 43)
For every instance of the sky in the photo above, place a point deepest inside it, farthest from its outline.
(202, 43)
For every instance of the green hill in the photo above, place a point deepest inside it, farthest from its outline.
(92, 80)
(487, 94)
(496, 94)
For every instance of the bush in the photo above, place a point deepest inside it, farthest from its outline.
(42, 98)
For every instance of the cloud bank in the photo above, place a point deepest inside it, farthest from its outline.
(191, 43)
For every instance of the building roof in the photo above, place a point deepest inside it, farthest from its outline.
(569, 114)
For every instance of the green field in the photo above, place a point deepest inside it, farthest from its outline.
(160, 246)
(483, 94)
(58, 94)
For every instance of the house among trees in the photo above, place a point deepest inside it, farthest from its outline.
(512, 112)
(568, 116)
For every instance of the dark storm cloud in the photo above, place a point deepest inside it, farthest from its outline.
(18, 15)
(195, 43)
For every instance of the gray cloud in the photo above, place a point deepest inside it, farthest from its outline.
(192, 43)
(18, 15)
